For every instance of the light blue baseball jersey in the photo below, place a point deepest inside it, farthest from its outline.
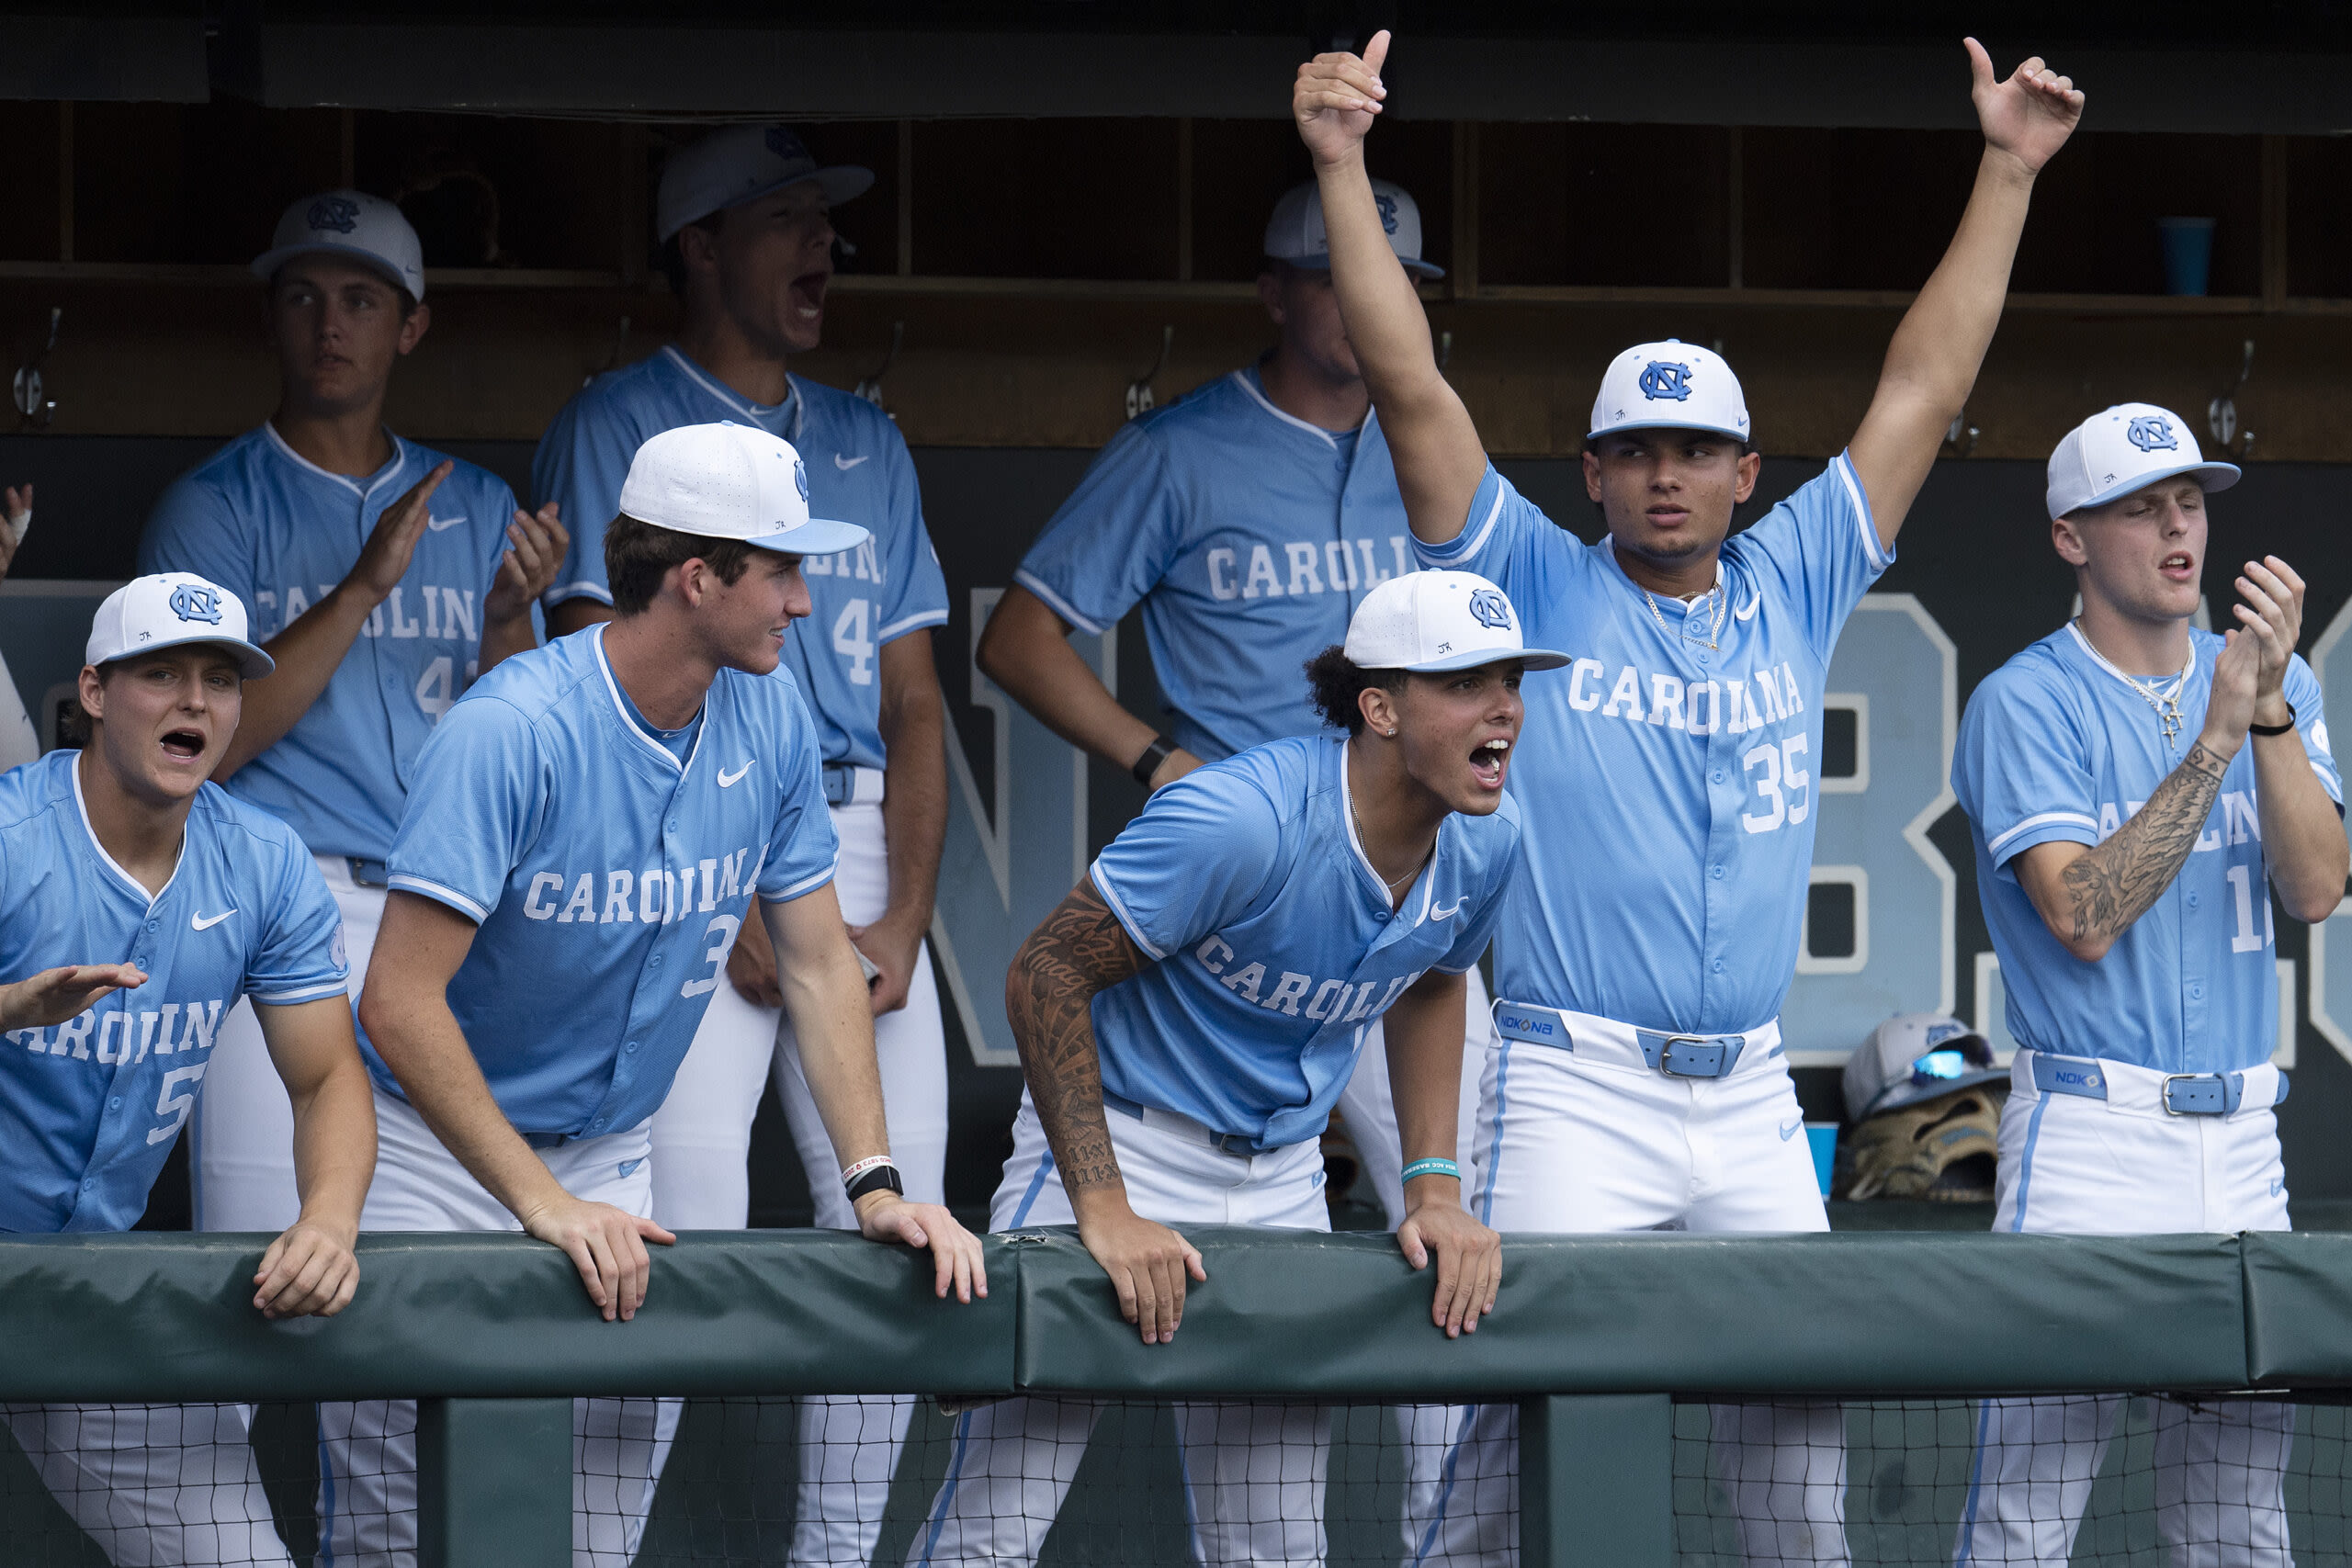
(858, 472)
(2057, 747)
(90, 1108)
(1247, 535)
(608, 878)
(1274, 942)
(280, 532)
(1672, 842)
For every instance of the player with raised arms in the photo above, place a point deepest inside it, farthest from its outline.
(382, 577)
(2136, 790)
(1639, 972)
(138, 902)
(587, 830)
(743, 217)
(1189, 1014)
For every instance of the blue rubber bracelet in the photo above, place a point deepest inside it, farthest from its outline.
(1433, 1167)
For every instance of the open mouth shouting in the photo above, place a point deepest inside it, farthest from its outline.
(1489, 761)
(807, 295)
(184, 745)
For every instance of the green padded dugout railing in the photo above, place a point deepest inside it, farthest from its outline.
(1592, 1336)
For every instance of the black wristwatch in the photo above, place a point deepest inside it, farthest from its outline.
(1153, 755)
(2286, 728)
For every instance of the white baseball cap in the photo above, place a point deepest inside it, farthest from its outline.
(167, 609)
(731, 481)
(2125, 448)
(1432, 621)
(737, 165)
(354, 225)
(1671, 385)
(1296, 233)
(1913, 1057)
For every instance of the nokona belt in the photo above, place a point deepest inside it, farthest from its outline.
(2183, 1094)
(1674, 1055)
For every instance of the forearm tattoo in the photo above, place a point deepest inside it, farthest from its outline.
(1049, 992)
(2112, 886)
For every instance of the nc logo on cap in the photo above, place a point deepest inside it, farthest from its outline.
(1489, 608)
(191, 602)
(336, 212)
(2152, 433)
(784, 144)
(800, 477)
(1663, 380)
(1387, 205)
(1939, 1032)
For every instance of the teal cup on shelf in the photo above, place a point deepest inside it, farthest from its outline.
(2188, 254)
(1823, 1137)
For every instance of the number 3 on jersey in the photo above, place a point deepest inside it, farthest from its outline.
(1784, 783)
(854, 639)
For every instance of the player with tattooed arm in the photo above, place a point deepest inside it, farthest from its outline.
(2127, 849)
(1188, 1016)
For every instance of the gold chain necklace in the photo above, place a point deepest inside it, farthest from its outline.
(1714, 627)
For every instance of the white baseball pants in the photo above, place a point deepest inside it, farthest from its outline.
(241, 1154)
(368, 1451)
(848, 1444)
(155, 1485)
(1253, 1473)
(1594, 1141)
(2122, 1166)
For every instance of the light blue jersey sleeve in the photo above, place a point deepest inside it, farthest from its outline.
(475, 800)
(195, 528)
(803, 848)
(1508, 540)
(917, 588)
(2020, 768)
(2302, 694)
(1113, 540)
(1478, 922)
(301, 958)
(580, 465)
(1822, 547)
(1195, 860)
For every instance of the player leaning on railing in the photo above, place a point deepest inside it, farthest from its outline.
(1639, 974)
(2135, 790)
(1189, 1015)
(138, 902)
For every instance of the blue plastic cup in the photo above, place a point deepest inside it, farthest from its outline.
(1823, 1136)
(2188, 254)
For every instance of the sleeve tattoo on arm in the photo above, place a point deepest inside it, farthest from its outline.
(1079, 949)
(2112, 886)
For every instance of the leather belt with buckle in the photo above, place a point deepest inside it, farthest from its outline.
(1691, 1056)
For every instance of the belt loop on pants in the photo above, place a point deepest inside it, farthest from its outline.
(367, 872)
(1674, 1056)
(1236, 1143)
(547, 1140)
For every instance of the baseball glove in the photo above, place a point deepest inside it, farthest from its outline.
(1942, 1149)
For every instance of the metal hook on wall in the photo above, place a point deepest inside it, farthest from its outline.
(35, 408)
(611, 360)
(1960, 440)
(1444, 350)
(1139, 397)
(870, 389)
(2222, 414)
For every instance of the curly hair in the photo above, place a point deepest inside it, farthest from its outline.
(1335, 682)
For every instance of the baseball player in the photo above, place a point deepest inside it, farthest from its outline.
(605, 810)
(1189, 1014)
(18, 741)
(1250, 519)
(383, 578)
(2136, 791)
(743, 217)
(138, 902)
(1640, 1081)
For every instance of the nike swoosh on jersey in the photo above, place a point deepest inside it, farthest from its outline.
(1747, 611)
(1439, 912)
(846, 464)
(1790, 1130)
(197, 922)
(728, 780)
(437, 523)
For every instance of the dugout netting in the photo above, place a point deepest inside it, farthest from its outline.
(737, 1484)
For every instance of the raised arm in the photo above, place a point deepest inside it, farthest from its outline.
(2302, 831)
(833, 1020)
(1049, 998)
(1931, 365)
(1438, 456)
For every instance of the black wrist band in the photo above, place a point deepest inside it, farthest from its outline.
(2286, 728)
(875, 1180)
(1153, 755)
